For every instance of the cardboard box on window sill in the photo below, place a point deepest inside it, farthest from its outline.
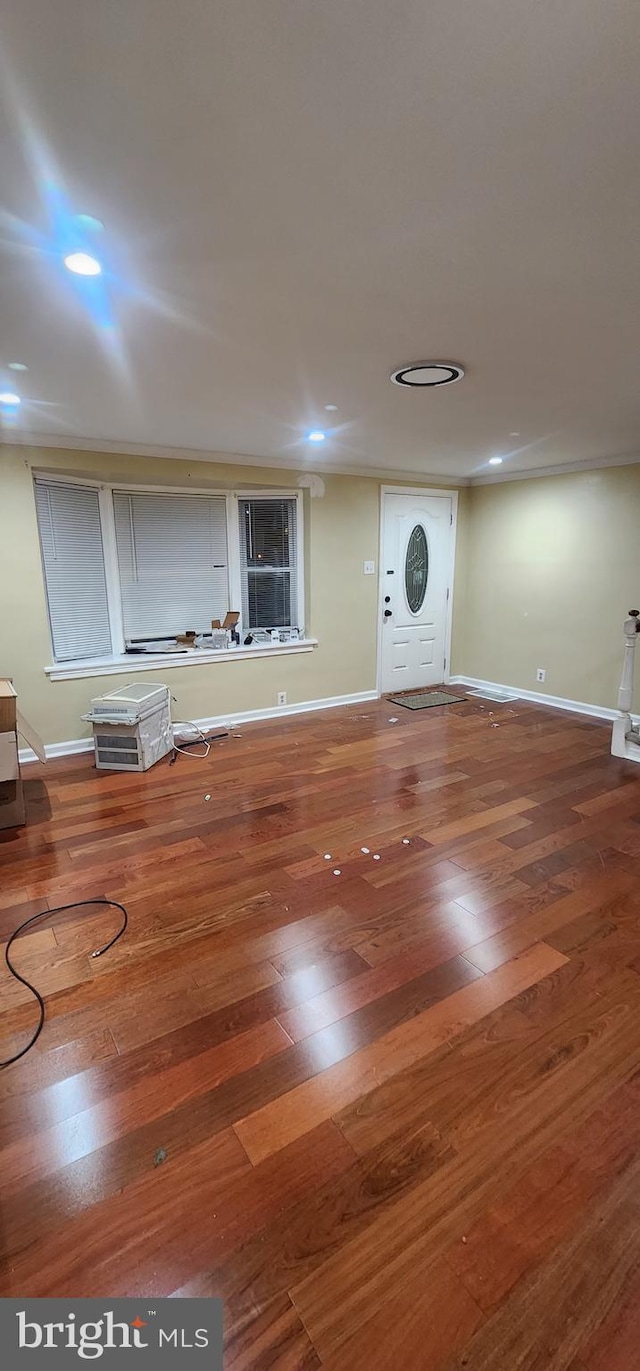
(12, 811)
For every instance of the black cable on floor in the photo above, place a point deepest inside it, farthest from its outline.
(186, 743)
(61, 909)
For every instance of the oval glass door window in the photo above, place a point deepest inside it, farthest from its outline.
(416, 569)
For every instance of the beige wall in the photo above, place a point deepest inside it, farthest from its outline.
(551, 567)
(545, 572)
(341, 531)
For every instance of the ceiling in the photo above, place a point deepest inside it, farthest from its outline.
(300, 196)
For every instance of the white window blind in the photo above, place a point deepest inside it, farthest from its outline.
(73, 560)
(268, 557)
(172, 559)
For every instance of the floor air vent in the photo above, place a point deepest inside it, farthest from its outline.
(499, 697)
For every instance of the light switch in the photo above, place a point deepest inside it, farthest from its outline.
(369, 568)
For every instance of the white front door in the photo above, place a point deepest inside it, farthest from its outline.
(417, 536)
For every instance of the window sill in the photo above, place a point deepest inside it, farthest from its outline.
(126, 664)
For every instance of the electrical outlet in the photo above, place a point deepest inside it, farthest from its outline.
(369, 568)
(541, 674)
(282, 697)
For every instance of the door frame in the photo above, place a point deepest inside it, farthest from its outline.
(430, 491)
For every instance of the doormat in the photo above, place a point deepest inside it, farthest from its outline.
(426, 699)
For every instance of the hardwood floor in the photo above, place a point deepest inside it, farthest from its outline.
(391, 1115)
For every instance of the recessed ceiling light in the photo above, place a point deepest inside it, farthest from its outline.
(428, 374)
(331, 408)
(9, 398)
(495, 461)
(83, 264)
(17, 366)
(316, 436)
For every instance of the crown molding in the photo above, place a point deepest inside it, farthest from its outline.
(70, 443)
(124, 449)
(563, 469)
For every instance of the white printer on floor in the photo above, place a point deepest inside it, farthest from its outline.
(131, 727)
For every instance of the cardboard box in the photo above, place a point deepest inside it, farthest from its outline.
(33, 739)
(12, 810)
(9, 765)
(11, 796)
(7, 706)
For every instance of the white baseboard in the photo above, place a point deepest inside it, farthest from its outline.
(78, 745)
(536, 697)
(26, 754)
(279, 711)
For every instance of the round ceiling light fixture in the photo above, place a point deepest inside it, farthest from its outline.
(17, 366)
(82, 264)
(316, 436)
(10, 399)
(495, 461)
(428, 374)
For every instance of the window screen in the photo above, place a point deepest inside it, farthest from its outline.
(172, 558)
(268, 555)
(73, 560)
